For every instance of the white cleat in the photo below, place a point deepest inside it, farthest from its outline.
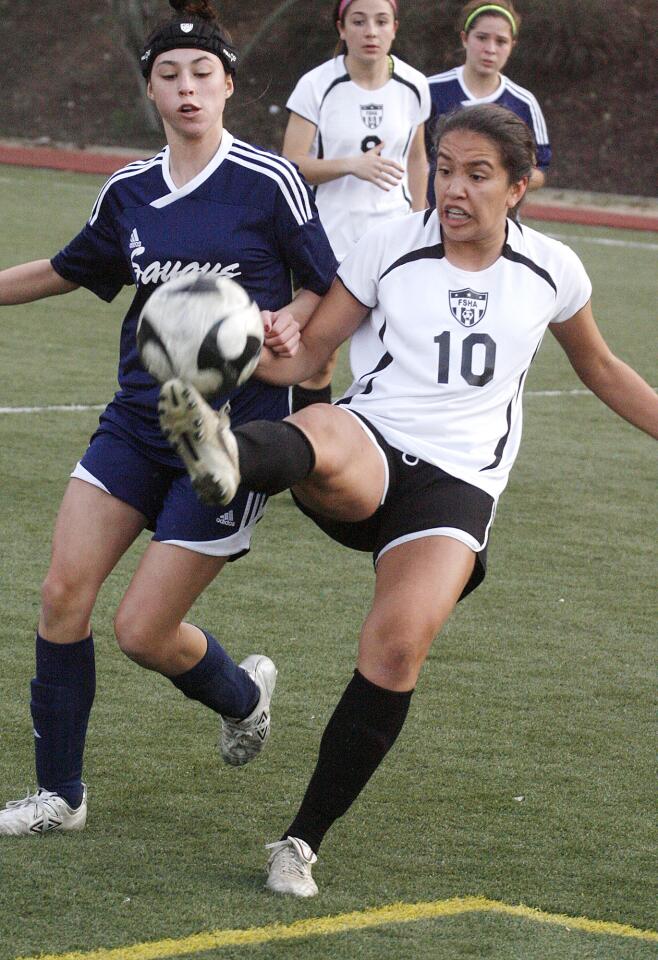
(289, 868)
(203, 439)
(42, 812)
(242, 740)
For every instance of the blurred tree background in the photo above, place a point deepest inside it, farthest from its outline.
(69, 73)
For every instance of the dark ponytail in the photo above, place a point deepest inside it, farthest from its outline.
(202, 9)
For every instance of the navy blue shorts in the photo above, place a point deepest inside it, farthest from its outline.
(166, 498)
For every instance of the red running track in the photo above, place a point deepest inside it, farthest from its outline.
(84, 161)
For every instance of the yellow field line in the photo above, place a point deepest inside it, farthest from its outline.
(344, 922)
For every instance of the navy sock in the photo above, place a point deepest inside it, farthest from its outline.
(62, 696)
(361, 731)
(219, 683)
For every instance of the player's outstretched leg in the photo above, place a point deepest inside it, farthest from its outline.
(42, 812)
(242, 740)
(289, 868)
(203, 440)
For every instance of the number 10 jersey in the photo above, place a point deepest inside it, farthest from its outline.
(440, 362)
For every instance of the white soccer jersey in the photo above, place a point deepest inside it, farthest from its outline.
(350, 119)
(440, 362)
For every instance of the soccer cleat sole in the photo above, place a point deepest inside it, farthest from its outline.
(199, 437)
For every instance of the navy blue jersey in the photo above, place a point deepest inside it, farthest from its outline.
(448, 93)
(248, 215)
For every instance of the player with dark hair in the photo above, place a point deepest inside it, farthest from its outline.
(210, 204)
(356, 133)
(445, 309)
(488, 32)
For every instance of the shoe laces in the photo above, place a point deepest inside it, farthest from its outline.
(40, 798)
(291, 856)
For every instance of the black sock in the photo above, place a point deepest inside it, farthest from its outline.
(274, 455)
(361, 731)
(305, 396)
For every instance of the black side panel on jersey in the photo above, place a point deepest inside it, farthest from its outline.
(435, 252)
(396, 76)
(502, 443)
(344, 79)
(510, 254)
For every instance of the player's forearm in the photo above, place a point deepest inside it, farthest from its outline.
(625, 392)
(31, 281)
(418, 171)
(417, 175)
(284, 371)
(302, 306)
(317, 171)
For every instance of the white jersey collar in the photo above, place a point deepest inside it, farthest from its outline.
(471, 96)
(184, 191)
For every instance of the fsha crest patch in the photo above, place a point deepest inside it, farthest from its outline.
(468, 306)
(372, 114)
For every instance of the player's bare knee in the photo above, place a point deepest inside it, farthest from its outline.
(398, 648)
(62, 599)
(133, 640)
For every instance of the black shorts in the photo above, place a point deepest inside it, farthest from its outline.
(421, 500)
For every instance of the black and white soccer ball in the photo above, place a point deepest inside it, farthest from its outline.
(205, 330)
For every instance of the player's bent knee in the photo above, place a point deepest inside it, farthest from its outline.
(134, 642)
(325, 429)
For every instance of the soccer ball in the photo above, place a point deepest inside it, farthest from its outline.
(205, 330)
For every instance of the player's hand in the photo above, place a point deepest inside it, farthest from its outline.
(282, 332)
(381, 171)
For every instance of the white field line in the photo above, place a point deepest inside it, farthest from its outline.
(56, 408)
(83, 408)
(604, 241)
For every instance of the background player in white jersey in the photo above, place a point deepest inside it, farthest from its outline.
(356, 132)
(208, 203)
(446, 310)
(488, 32)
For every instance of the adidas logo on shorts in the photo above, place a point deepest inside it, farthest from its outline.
(226, 519)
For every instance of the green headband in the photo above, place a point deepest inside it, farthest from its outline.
(496, 9)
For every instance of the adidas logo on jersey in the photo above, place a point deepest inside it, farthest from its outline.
(134, 240)
(226, 519)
